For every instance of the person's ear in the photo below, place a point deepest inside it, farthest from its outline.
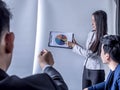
(107, 56)
(9, 42)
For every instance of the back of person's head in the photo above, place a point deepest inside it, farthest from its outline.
(5, 16)
(6, 37)
(100, 17)
(111, 45)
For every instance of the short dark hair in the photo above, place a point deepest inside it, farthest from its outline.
(111, 45)
(5, 16)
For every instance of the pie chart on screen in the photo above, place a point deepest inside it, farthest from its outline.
(60, 39)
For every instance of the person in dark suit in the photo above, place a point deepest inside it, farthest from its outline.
(50, 79)
(110, 54)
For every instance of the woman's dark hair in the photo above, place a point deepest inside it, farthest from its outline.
(111, 45)
(101, 28)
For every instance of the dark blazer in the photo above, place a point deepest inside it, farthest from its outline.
(112, 83)
(49, 80)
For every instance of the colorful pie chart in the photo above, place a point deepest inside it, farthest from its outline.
(60, 39)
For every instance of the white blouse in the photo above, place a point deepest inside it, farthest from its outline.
(92, 61)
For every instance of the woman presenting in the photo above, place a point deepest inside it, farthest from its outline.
(93, 72)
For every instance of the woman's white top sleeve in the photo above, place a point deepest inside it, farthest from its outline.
(93, 61)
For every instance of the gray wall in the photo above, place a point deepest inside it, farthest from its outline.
(57, 15)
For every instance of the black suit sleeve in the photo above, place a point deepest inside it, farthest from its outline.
(34, 82)
(50, 80)
(57, 78)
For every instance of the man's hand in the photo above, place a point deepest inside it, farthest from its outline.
(45, 58)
